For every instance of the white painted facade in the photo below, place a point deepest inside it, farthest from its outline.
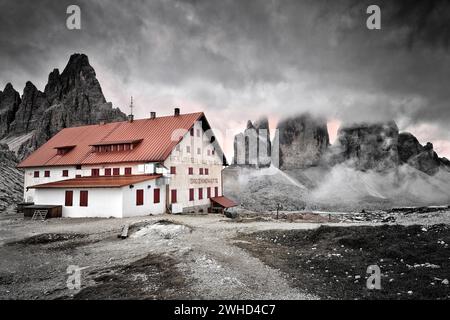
(106, 202)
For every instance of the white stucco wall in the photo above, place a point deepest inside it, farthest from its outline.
(102, 202)
(55, 175)
(130, 208)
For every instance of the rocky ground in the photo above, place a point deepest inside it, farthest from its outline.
(11, 181)
(213, 257)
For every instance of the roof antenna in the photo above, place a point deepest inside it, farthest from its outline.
(131, 116)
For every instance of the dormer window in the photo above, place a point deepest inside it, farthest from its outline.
(62, 150)
(115, 146)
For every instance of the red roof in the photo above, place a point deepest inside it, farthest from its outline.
(224, 202)
(159, 136)
(98, 182)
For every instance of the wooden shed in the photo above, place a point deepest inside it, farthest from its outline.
(53, 211)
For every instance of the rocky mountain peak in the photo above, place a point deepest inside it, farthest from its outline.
(302, 140)
(368, 146)
(73, 97)
(253, 146)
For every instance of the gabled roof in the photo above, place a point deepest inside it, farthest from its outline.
(98, 182)
(157, 138)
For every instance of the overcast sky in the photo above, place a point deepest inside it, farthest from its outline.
(238, 60)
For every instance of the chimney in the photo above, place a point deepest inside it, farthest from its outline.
(152, 115)
(177, 112)
(130, 118)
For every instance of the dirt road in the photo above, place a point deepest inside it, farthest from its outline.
(182, 257)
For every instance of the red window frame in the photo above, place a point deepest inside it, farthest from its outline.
(47, 173)
(95, 172)
(216, 191)
(208, 192)
(173, 170)
(156, 195)
(191, 194)
(200, 193)
(68, 202)
(36, 174)
(173, 195)
(107, 171)
(116, 171)
(65, 173)
(140, 197)
(128, 171)
(200, 171)
(84, 198)
(190, 171)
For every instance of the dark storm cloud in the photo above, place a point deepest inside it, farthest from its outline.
(240, 59)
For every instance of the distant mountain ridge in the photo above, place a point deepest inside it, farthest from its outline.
(71, 98)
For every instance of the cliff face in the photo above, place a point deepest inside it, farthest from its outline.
(9, 104)
(367, 146)
(423, 158)
(253, 146)
(302, 141)
(71, 98)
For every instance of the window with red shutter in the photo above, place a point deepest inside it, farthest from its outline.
(107, 171)
(36, 174)
(47, 174)
(200, 193)
(173, 196)
(83, 198)
(216, 191)
(69, 199)
(208, 192)
(173, 170)
(65, 173)
(116, 171)
(139, 197)
(127, 171)
(156, 195)
(95, 172)
(191, 194)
